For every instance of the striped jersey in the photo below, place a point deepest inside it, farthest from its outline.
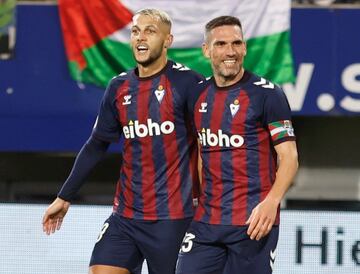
(159, 164)
(238, 127)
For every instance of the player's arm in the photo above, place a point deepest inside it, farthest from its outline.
(192, 92)
(106, 130)
(90, 154)
(277, 119)
(263, 215)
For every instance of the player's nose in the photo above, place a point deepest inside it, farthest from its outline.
(230, 51)
(141, 36)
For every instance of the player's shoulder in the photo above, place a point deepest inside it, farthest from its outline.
(183, 72)
(272, 94)
(262, 84)
(204, 83)
(118, 80)
(199, 88)
(114, 84)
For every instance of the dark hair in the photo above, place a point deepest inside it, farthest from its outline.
(224, 20)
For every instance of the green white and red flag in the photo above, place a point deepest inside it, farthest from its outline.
(97, 32)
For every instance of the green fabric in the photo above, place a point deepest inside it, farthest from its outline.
(268, 56)
(271, 57)
(7, 10)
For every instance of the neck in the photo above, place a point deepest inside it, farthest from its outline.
(222, 81)
(153, 68)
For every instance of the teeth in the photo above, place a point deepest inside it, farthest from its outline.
(142, 48)
(229, 61)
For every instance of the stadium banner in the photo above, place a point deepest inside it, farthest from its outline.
(327, 62)
(7, 28)
(97, 32)
(311, 242)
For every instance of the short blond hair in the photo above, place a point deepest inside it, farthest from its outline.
(160, 14)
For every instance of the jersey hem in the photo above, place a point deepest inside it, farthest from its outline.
(157, 218)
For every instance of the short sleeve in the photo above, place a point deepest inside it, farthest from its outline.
(277, 116)
(107, 126)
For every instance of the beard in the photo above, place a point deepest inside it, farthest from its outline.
(154, 55)
(227, 73)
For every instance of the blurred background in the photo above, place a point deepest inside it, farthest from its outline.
(49, 101)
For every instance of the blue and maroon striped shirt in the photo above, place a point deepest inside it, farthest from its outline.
(238, 127)
(159, 164)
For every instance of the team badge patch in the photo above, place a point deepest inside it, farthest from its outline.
(234, 107)
(281, 129)
(159, 93)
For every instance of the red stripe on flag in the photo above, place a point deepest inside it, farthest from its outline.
(175, 203)
(215, 158)
(147, 163)
(127, 157)
(86, 22)
(239, 211)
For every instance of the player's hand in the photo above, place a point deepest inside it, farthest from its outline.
(262, 219)
(54, 215)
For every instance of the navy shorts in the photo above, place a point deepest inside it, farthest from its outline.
(126, 243)
(225, 249)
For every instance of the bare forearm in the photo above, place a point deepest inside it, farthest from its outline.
(288, 165)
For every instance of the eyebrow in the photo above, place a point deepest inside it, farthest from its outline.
(238, 41)
(147, 26)
(223, 41)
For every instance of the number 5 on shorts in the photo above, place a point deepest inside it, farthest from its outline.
(187, 242)
(103, 230)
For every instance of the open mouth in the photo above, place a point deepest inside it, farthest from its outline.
(142, 48)
(229, 62)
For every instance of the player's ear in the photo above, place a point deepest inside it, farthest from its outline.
(205, 50)
(169, 40)
(245, 48)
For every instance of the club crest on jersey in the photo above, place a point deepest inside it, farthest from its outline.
(127, 100)
(234, 107)
(203, 107)
(135, 129)
(159, 93)
(208, 138)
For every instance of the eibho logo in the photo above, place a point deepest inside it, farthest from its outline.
(207, 138)
(135, 129)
